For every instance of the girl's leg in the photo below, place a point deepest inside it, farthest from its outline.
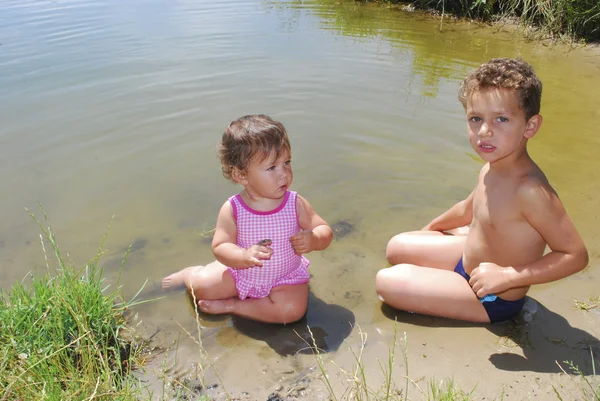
(426, 248)
(429, 291)
(212, 281)
(285, 304)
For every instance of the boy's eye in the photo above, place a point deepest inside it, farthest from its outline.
(502, 119)
(475, 119)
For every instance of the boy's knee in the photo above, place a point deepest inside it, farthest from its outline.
(391, 278)
(396, 249)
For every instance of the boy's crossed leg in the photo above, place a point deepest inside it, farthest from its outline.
(424, 280)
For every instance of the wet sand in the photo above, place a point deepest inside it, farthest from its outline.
(255, 361)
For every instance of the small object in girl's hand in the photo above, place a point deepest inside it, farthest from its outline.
(265, 242)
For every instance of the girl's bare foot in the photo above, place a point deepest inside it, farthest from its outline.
(218, 306)
(177, 279)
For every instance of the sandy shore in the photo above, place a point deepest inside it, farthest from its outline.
(520, 360)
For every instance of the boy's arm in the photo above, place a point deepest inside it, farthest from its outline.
(224, 244)
(458, 215)
(545, 212)
(316, 234)
(543, 209)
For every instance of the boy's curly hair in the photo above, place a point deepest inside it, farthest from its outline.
(512, 74)
(250, 136)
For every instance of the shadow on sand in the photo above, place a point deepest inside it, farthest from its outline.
(545, 337)
(330, 326)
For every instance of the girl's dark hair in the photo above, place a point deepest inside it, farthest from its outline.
(250, 136)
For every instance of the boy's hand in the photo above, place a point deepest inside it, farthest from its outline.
(489, 278)
(303, 241)
(254, 255)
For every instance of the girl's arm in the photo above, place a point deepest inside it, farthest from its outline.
(224, 244)
(316, 234)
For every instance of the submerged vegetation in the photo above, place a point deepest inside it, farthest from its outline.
(565, 19)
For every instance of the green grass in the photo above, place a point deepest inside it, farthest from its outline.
(359, 388)
(587, 305)
(565, 19)
(61, 336)
(590, 387)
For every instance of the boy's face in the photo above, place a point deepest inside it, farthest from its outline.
(269, 178)
(496, 124)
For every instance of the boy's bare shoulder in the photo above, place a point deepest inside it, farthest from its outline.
(534, 190)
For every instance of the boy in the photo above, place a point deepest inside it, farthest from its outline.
(513, 213)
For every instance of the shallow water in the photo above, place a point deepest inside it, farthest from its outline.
(114, 109)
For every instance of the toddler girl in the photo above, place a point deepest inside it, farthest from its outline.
(261, 233)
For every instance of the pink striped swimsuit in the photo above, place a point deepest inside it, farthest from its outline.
(284, 267)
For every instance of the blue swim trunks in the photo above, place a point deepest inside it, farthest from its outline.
(497, 308)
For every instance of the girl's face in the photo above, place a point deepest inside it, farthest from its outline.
(269, 178)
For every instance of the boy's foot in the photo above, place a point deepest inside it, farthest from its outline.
(176, 279)
(217, 307)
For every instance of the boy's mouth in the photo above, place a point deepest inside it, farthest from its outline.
(486, 148)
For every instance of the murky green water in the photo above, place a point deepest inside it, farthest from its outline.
(114, 108)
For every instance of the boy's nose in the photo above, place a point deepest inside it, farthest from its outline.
(484, 131)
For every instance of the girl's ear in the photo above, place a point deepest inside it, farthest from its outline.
(533, 125)
(239, 176)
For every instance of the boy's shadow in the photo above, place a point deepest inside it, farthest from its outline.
(330, 324)
(547, 339)
(544, 336)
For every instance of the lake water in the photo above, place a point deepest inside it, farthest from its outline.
(112, 108)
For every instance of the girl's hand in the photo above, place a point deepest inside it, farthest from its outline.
(303, 241)
(254, 255)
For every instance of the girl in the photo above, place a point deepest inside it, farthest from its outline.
(261, 234)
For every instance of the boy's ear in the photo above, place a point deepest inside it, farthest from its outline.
(533, 125)
(239, 176)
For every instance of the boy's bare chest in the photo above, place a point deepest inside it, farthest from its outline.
(496, 206)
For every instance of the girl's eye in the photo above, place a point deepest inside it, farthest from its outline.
(287, 163)
(271, 168)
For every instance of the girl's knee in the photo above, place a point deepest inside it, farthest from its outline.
(291, 313)
(291, 310)
(196, 279)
